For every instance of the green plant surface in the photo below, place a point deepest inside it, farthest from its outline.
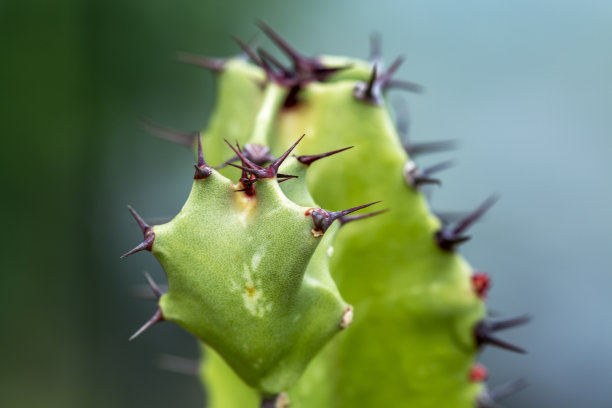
(246, 275)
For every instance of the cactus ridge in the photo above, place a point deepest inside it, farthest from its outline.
(256, 268)
(247, 300)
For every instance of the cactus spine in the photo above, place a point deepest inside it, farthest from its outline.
(254, 268)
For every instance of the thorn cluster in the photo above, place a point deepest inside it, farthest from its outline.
(157, 316)
(147, 231)
(251, 172)
(304, 71)
(323, 219)
(448, 237)
(485, 329)
(372, 91)
(256, 153)
(416, 177)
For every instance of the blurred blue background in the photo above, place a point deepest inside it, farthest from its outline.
(525, 87)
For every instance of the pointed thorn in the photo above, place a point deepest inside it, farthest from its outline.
(503, 324)
(286, 176)
(149, 235)
(342, 213)
(175, 136)
(386, 77)
(449, 237)
(475, 215)
(308, 160)
(154, 288)
(483, 332)
(265, 56)
(144, 291)
(305, 69)
(403, 85)
(321, 74)
(249, 51)
(415, 176)
(245, 160)
(144, 227)
(438, 167)
(147, 245)
(496, 341)
(215, 65)
(291, 52)
(369, 92)
(375, 47)
(247, 169)
(203, 170)
(156, 318)
(350, 218)
(422, 180)
(277, 163)
(323, 219)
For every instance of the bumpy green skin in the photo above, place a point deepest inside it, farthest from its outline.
(411, 344)
(245, 276)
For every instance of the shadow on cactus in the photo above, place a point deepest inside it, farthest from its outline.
(258, 272)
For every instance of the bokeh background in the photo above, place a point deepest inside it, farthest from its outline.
(525, 87)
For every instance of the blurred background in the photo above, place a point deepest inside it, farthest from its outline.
(525, 87)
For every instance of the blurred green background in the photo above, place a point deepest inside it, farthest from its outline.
(524, 86)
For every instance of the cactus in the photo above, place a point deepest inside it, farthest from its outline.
(258, 270)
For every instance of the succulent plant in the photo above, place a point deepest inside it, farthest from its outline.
(258, 268)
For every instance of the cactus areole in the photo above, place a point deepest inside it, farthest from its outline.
(264, 251)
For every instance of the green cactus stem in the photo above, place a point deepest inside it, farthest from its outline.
(254, 268)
